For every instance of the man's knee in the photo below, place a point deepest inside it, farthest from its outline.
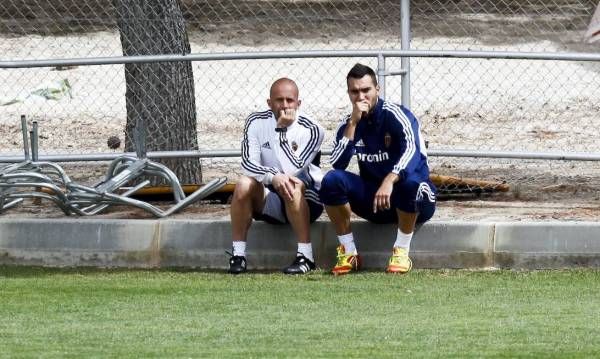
(409, 195)
(334, 189)
(333, 180)
(245, 188)
(297, 194)
(406, 186)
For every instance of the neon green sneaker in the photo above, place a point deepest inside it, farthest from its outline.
(399, 261)
(346, 263)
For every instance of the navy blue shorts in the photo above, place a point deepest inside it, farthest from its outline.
(340, 187)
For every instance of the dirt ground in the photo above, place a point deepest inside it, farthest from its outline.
(485, 209)
(231, 20)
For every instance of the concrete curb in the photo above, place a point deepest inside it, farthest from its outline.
(202, 244)
(547, 245)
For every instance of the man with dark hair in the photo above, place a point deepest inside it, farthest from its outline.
(393, 186)
(281, 175)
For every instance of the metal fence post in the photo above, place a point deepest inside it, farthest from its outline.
(139, 138)
(34, 142)
(405, 45)
(381, 74)
(25, 139)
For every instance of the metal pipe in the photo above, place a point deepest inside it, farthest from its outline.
(518, 155)
(112, 156)
(381, 72)
(34, 142)
(58, 171)
(203, 192)
(396, 73)
(53, 189)
(31, 144)
(97, 208)
(405, 45)
(11, 204)
(236, 153)
(188, 188)
(178, 193)
(117, 60)
(25, 139)
(118, 164)
(139, 138)
(38, 196)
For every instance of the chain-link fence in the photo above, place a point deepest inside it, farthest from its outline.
(470, 104)
(509, 105)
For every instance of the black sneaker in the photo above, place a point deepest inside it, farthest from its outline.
(237, 264)
(300, 265)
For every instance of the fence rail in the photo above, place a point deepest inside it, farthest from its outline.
(114, 60)
(559, 156)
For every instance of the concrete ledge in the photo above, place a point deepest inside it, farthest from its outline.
(202, 244)
(547, 245)
(435, 245)
(77, 242)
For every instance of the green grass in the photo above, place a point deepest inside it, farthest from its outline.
(101, 313)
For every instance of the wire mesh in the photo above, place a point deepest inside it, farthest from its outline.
(512, 105)
(508, 105)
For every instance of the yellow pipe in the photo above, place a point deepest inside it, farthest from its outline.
(187, 189)
(438, 180)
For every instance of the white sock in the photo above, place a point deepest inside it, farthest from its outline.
(239, 248)
(347, 240)
(403, 240)
(306, 250)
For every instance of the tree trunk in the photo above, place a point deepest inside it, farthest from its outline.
(160, 94)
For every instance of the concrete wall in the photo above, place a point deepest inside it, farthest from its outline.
(202, 244)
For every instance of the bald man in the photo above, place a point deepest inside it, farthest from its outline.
(281, 175)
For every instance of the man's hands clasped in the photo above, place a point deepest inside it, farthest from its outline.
(285, 185)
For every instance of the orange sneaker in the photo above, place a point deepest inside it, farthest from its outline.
(399, 261)
(346, 263)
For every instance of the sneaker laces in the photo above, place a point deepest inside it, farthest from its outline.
(301, 258)
(232, 256)
(341, 257)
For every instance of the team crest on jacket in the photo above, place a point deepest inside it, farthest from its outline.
(387, 140)
(294, 146)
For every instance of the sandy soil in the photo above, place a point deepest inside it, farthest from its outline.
(495, 209)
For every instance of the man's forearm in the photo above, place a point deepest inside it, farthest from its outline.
(391, 178)
(350, 130)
